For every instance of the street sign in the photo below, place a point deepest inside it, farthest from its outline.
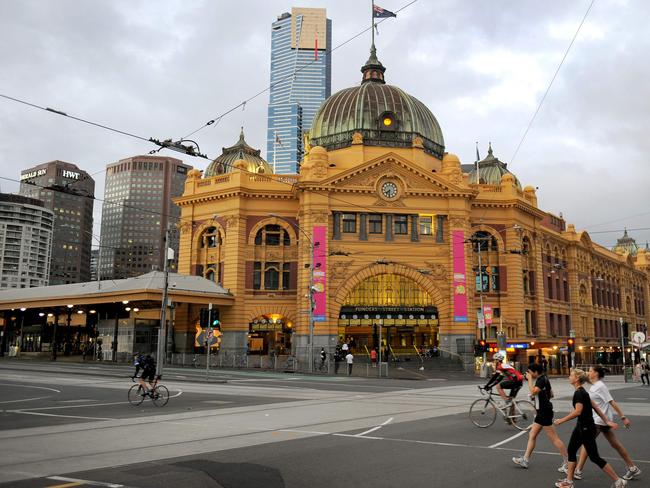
(481, 320)
(487, 313)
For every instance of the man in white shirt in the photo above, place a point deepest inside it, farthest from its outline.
(349, 359)
(601, 396)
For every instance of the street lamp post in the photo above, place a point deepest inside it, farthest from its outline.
(22, 324)
(160, 349)
(620, 321)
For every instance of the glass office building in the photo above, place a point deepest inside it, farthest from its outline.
(301, 79)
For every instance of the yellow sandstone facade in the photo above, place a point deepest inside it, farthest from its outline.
(367, 229)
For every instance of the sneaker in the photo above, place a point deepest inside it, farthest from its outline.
(564, 468)
(565, 483)
(577, 474)
(632, 472)
(521, 461)
(619, 483)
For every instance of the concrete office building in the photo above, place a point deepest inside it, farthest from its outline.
(25, 242)
(69, 192)
(301, 79)
(137, 206)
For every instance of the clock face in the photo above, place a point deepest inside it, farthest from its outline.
(389, 189)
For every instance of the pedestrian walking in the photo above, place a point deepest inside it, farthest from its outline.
(345, 348)
(584, 433)
(373, 357)
(323, 358)
(544, 365)
(540, 390)
(350, 360)
(645, 371)
(600, 395)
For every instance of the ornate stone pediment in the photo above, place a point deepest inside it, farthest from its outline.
(391, 166)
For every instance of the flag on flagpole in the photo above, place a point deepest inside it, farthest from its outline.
(277, 139)
(381, 13)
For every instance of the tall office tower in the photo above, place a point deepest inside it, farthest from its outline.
(301, 79)
(69, 192)
(137, 207)
(25, 242)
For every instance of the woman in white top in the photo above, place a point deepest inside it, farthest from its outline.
(600, 395)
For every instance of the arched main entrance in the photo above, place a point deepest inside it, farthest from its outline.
(270, 334)
(405, 312)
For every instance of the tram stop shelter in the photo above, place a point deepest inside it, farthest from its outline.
(109, 320)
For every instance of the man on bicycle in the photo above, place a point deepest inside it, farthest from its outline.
(148, 366)
(505, 377)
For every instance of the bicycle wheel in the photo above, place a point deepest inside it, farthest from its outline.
(482, 413)
(135, 395)
(160, 396)
(523, 415)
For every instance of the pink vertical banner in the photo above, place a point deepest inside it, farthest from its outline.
(320, 273)
(459, 281)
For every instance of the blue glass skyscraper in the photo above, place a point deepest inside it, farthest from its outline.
(301, 79)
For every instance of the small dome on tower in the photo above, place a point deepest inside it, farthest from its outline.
(490, 171)
(225, 163)
(626, 244)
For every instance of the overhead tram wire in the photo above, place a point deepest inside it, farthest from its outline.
(548, 89)
(271, 85)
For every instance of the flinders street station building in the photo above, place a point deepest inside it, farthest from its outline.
(384, 239)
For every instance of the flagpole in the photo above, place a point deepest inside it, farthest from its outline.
(275, 140)
(478, 179)
(372, 20)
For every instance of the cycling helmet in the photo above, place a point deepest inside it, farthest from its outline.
(498, 357)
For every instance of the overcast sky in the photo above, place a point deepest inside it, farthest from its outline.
(162, 68)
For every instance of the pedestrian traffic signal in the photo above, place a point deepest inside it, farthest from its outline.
(204, 318)
(571, 345)
(480, 347)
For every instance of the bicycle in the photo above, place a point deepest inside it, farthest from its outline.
(159, 394)
(483, 412)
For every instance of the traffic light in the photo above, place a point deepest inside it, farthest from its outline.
(571, 345)
(214, 319)
(204, 318)
(480, 347)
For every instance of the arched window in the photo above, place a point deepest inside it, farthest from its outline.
(276, 273)
(272, 235)
(484, 241)
(209, 275)
(210, 238)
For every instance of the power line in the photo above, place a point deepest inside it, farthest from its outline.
(261, 92)
(548, 89)
(64, 114)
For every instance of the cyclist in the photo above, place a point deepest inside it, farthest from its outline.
(505, 377)
(148, 366)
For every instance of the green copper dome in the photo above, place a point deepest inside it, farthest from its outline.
(383, 114)
(490, 171)
(225, 162)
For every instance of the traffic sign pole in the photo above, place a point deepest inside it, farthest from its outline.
(208, 335)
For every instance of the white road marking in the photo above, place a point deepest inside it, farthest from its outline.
(85, 482)
(56, 415)
(77, 401)
(375, 428)
(505, 441)
(29, 386)
(60, 407)
(304, 431)
(635, 398)
(25, 400)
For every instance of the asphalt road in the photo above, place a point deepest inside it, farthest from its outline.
(268, 431)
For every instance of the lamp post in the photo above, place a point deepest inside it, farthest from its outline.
(572, 333)
(160, 349)
(312, 247)
(22, 324)
(620, 321)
